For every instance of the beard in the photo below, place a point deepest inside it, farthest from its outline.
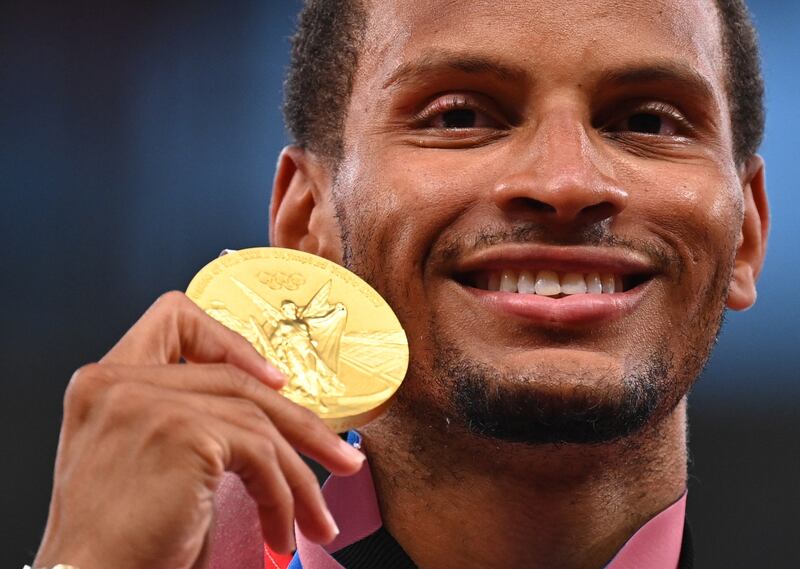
(519, 406)
(513, 407)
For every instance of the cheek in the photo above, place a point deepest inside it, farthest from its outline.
(392, 212)
(695, 209)
(401, 200)
(696, 212)
(398, 204)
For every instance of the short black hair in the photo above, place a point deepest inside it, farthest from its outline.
(325, 50)
(330, 34)
(744, 83)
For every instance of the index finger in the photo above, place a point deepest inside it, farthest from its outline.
(175, 327)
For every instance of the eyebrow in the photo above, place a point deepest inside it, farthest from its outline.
(674, 73)
(460, 62)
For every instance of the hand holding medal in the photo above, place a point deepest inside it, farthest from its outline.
(335, 339)
(147, 440)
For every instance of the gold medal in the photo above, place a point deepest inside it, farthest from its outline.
(331, 334)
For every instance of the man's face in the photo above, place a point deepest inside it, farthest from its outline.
(484, 139)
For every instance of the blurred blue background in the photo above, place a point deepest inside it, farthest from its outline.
(139, 138)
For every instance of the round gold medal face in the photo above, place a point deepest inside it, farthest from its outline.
(330, 333)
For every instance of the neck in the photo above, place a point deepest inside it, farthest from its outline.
(454, 500)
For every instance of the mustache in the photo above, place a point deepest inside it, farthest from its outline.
(598, 235)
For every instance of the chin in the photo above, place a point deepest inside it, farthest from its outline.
(563, 396)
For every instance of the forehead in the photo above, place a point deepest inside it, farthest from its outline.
(555, 41)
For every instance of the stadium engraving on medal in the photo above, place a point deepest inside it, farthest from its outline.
(336, 340)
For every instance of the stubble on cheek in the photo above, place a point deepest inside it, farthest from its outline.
(361, 214)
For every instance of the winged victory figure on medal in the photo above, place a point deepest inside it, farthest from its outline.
(301, 341)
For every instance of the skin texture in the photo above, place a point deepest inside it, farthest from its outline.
(551, 163)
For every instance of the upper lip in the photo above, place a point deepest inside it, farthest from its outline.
(568, 259)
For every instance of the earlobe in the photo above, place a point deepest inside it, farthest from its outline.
(301, 215)
(753, 237)
(742, 294)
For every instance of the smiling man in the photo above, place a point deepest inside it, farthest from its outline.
(559, 200)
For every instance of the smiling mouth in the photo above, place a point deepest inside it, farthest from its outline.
(555, 286)
(551, 283)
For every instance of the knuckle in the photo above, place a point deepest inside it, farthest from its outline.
(167, 426)
(268, 449)
(240, 382)
(171, 301)
(119, 399)
(280, 503)
(83, 386)
(210, 450)
(119, 393)
(253, 413)
(235, 378)
(305, 482)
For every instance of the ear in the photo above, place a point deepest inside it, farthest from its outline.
(752, 238)
(302, 215)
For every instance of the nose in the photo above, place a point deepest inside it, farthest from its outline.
(561, 179)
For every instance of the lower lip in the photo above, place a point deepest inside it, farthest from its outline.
(573, 310)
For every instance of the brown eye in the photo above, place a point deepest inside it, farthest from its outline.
(645, 123)
(462, 118)
(655, 119)
(458, 112)
(459, 118)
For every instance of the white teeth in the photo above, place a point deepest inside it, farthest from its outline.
(547, 283)
(527, 282)
(607, 283)
(573, 283)
(593, 284)
(508, 281)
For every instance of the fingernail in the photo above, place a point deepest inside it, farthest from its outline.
(351, 452)
(331, 524)
(226, 252)
(274, 374)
